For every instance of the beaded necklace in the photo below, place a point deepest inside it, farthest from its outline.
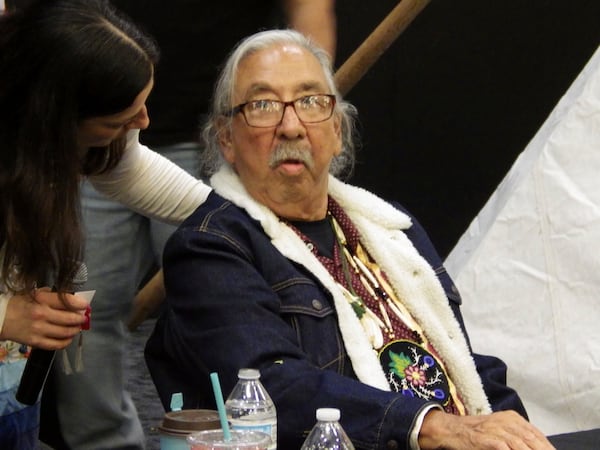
(411, 362)
(377, 289)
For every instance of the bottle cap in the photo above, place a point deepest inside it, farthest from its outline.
(249, 374)
(328, 414)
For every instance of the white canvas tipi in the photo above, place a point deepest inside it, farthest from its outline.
(528, 267)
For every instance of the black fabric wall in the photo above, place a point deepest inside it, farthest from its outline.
(447, 109)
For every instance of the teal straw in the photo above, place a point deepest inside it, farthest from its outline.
(214, 379)
(176, 401)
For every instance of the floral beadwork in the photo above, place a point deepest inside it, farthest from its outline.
(414, 372)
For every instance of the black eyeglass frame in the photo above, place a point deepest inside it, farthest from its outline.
(240, 109)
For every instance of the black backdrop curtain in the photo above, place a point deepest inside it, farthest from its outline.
(447, 109)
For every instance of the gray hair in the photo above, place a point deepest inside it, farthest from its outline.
(212, 159)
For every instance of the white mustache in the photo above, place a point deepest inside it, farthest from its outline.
(288, 151)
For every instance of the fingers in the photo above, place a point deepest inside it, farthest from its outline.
(42, 320)
(52, 337)
(504, 430)
(535, 439)
(74, 302)
(517, 432)
(52, 328)
(513, 432)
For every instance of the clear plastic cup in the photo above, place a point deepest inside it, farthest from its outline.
(240, 440)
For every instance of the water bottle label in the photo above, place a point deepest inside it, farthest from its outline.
(266, 427)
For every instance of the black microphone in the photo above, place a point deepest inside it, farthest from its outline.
(39, 362)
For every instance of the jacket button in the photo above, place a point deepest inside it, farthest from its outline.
(392, 445)
(317, 305)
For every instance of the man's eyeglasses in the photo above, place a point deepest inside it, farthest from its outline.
(269, 113)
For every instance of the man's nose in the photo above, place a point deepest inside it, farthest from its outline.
(291, 126)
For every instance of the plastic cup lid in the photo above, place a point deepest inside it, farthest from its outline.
(189, 420)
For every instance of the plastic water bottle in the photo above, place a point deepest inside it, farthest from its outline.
(249, 406)
(327, 434)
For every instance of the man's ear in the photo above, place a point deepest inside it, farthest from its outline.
(224, 136)
(337, 128)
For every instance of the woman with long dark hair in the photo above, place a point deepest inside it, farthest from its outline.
(74, 79)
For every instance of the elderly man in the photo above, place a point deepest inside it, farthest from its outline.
(335, 295)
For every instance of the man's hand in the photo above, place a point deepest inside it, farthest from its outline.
(42, 320)
(498, 431)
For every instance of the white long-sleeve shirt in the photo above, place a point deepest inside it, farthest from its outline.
(152, 185)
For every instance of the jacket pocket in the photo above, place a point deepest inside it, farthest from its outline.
(310, 312)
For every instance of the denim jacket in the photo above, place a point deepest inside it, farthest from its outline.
(244, 291)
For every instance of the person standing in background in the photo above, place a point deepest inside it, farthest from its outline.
(122, 246)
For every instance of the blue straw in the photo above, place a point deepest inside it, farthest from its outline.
(214, 378)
